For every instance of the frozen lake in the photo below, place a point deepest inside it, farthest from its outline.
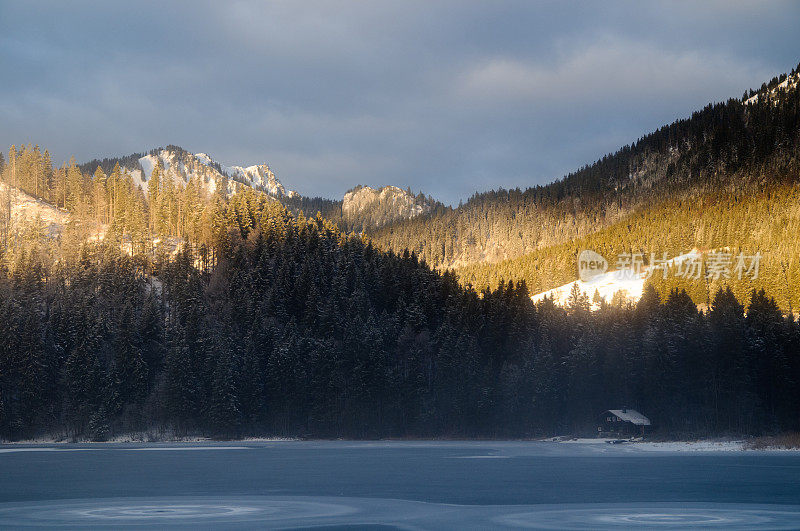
(395, 485)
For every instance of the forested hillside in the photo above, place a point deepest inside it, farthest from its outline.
(725, 177)
(360, 209)
(365, 208)
(165, 303)
(258, 322)
(746, 220)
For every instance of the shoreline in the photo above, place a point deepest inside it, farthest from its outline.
(655, 446)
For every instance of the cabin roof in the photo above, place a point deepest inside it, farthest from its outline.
(631, 415)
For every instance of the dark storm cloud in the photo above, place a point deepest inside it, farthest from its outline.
(445, 97)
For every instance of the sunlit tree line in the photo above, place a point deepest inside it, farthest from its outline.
(297, 330)
(725, 177)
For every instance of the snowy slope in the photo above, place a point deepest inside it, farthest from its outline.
(607, 284)
(180, 167)
(630, 284)
(27, 209)
(789, 83)
(261, 177)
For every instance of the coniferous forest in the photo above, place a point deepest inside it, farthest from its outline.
(179, 310)
(728, 176)
(266, 323)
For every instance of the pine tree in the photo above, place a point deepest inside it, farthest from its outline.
(153, 196)
(47, 191)
(74, 188)
(578, 300)
(99, 196)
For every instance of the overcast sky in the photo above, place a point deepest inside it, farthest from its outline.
(445, 97)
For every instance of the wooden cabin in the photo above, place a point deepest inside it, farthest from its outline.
(622, 423)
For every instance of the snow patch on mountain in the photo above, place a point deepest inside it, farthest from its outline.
(789, 83)
(626, 283)
(261, 177)
(203, 158)
(26, 209)
(182, 166)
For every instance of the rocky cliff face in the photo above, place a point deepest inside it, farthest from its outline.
(180, 165)
(375, 207)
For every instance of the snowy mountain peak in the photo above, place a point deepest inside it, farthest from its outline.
(261, 177)
(182, 166)
(203, 158)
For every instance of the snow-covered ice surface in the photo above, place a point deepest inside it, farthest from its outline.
(692, 446)
(671, 446)
(183, 448)
(353, 513)
(582, 484)
(143, 438)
